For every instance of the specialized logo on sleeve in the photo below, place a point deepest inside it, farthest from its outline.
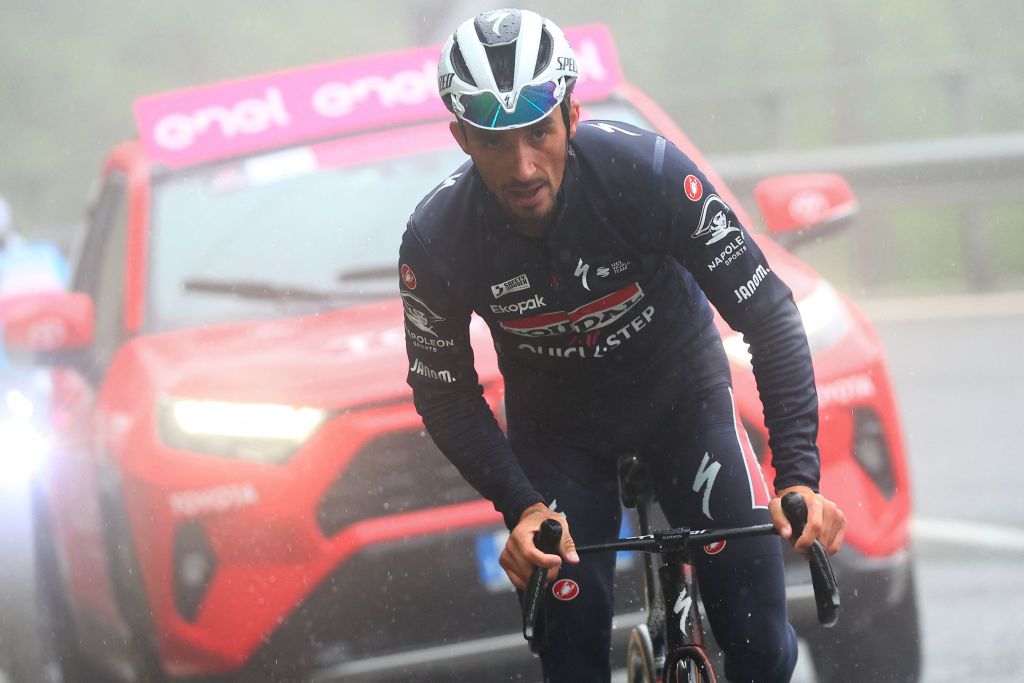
(446, 183)
(609, 128)
(565, 589)
(694, 188)
(419, 314)
(408, 277)
(714, 220)
(516, 284)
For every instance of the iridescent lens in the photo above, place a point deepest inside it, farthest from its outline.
(535, 102)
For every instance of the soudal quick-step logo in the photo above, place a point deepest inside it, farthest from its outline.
(589, 347)
(522, 307)
(744, 292)
(586, 318)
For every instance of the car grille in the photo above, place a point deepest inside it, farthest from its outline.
(413, 593)
(394, 473)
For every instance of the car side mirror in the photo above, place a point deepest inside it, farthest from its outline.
(799, 207)
(49, 329)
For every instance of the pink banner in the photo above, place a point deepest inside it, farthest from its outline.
(265, 112)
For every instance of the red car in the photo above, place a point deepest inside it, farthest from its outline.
(242, 489)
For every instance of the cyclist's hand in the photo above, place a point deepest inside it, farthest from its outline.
(825, 521)
(520, 555)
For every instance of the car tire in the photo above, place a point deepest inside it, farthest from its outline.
(129, 592)
(21, 653)
(62, 660)
(882, 647)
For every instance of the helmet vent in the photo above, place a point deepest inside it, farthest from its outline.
(460, 66)
(543, 52)
(503, 65)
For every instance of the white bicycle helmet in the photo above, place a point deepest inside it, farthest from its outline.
(506, 69)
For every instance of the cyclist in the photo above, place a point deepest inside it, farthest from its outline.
(26, 267)
(585, 247)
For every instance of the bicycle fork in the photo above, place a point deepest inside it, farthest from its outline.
(685, 633)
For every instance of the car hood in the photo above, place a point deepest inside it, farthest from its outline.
(336, 359)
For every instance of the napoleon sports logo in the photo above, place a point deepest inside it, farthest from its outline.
(714, 220)
(419, 314)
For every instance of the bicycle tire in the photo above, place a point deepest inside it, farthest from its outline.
(698, 671)
(640, 656)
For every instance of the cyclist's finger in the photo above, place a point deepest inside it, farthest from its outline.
(813, 527)
(568, 549)
(836, 542)
(532, 554)
(837, 529)
(779, 519)
(512, 569)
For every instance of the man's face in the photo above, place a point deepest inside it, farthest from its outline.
(522, 167)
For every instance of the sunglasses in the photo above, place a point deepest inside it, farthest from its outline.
(485, 110)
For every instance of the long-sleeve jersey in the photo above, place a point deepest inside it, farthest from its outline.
(593, 324)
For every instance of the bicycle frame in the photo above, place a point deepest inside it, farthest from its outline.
(674, 619)
(672, 591)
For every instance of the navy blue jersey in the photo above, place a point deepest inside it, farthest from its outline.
(595, 324)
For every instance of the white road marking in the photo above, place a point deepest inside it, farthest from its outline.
(945, 307)
(967, 534)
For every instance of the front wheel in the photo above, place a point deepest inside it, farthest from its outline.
(688, 665)
(640, 656)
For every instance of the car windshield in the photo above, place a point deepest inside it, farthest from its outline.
(292, 232)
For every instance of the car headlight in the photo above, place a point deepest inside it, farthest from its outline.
(249, 431)
(22, 449)
(19, 405)
(825, 323)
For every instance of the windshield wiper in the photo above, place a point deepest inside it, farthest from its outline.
(255, 289)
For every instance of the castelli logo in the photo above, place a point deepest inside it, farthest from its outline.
(694, 188)
(565, 589)
(714, 548)
(408, 277)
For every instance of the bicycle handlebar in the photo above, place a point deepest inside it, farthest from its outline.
(547, 541)
(826, 590)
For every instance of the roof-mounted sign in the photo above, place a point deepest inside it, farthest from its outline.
(278, 109)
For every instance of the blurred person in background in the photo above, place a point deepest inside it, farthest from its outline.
(27, 267)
